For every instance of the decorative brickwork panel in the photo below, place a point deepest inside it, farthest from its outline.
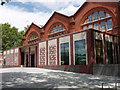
(16, 56)
(52, 52)
(42, 53)
(11, 57)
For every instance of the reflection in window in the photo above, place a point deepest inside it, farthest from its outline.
(33, 39)
(96, 26)
(107, 15)
(95, 16)
(90, 18)
(90, 26)
(99, 47)
(112, 49)
(99, 51)
(57, 28)
(109, 52)
(109, 24)
(80, 52)
(58, 34)
(116, 53)
(101, 14)
(102, 26)
(64, 53)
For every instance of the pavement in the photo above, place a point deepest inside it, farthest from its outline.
(38, 78)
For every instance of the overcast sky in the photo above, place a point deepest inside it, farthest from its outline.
(20, 13)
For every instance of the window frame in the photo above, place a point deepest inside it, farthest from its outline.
(105, 19)
(34, 39)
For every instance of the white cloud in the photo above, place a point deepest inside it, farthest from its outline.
(69, 10)
(18, 18)
(72, 7)
(54, 4)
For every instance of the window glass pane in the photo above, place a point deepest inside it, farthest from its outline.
(101, 14)
(64, 53)
(107, 15)
(80, 52)
(95, 14)
(96, 26)
(99, 51)
(109, 24)
(90, 26)
(60, 28)
(57, 28)
(116, 53)
(109, 53)
(102, 26)
(90, 18)
(85, 27)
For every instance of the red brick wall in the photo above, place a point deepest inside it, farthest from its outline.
(73, 23)
(33, 29)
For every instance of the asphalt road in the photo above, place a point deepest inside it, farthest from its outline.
(37, 78)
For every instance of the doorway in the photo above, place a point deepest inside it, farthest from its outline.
(22, 58)
(32, 60)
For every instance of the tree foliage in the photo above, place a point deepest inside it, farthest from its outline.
(11, 38)
(26, 28)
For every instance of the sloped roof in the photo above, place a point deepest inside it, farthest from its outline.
(55, 13)
(30, 27)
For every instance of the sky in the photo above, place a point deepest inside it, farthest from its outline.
(20, 13)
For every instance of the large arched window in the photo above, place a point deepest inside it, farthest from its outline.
(99, 20)
(33, 38)
(57, 30)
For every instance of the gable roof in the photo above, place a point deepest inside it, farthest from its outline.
(80, 8)
(30, 27)
(55, 13)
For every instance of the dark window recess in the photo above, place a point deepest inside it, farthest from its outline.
(64, 53)
(32, 60)
(109, 53)
(116, 55)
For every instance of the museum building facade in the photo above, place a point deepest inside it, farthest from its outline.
(72, 43)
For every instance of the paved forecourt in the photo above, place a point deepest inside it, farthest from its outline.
(51, 79)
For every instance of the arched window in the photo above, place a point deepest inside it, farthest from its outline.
(99, 20)
(57, 30)
(33, 38)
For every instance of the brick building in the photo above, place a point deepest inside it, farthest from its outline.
(72, 43)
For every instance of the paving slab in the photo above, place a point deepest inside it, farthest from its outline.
(39, 78)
